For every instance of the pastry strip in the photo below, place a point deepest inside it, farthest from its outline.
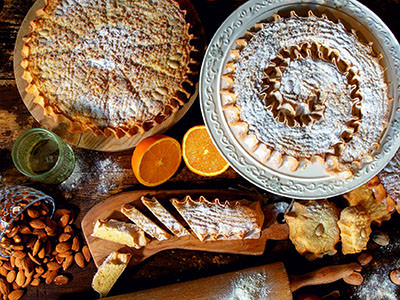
(144, 223)
(164, 216)
(221, 221)
(120, 232)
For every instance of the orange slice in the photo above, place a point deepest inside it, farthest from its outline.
(156, 159)
(200, 154)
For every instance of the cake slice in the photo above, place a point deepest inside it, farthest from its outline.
(109, 272)
(144, 223)
(164, 216)
(120, 232)
(214, 220)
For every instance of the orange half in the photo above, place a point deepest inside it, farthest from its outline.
(156, 159)
(200, 154)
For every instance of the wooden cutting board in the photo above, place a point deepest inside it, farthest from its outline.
(110, 208)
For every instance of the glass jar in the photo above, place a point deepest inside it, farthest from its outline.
(43, 156)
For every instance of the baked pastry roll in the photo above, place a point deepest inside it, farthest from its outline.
(109, 272)
(277, 95)
(164, 216)
(313, 228)
(355, 228)
(120, 232)
(390, 178)
(372, 197)
(144, 223)
(214, 220)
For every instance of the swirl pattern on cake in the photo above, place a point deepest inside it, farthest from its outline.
(303, 88)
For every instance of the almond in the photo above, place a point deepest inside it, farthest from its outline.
(51, 276)
(62, 247)
(37, 224)
(12, 261)
(61, 212)
(395, 276)
(18, 262)
(27, 265)
(27, 281)
(15, 286)
(68, 229)
(42, 235)
(25, 229)
(61, 280)
(354, 279)
(64, 237)
(86, 253)
(35, 282)
(16, 294)
(19, 254)
(11, 276)
(67, 262)
(33, 213)
(20, 279)
(80, 261)
(41, 253)
(36, 261)
(3, 271)
(64, 220)
(36, 247)
(39, 270)
(7, 266)
(75, 244)
(59, 259)
(4, 287)
(364, 258)
(53, 266)
(66, 253)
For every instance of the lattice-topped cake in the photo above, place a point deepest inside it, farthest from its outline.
(303, 88)
(110, 67)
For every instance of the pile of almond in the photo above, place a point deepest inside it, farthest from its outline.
(41, 250)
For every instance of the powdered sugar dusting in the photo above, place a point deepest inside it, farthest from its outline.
(105, 172)
(250, 286)
(377, 284)
(321, 136)
(390, 177)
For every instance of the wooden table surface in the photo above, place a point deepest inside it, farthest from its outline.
(100, 175)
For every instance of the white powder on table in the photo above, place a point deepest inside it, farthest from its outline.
(250, 286)
(377, 284)
(105, 172)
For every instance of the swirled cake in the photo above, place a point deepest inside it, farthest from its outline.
(110, 67)
(299, 89)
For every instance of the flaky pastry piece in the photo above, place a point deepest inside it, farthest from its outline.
(355, 229)
(164, 216)
(372, 197)
(313, 228)
(390, 179)
(285, 113)
(109, 272)
(144, 222)
(215, 220)
(120, 232)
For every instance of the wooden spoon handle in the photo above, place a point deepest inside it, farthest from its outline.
(323, 276)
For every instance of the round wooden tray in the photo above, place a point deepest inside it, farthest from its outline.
(88, 140)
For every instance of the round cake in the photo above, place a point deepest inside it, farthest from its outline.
(110, 67)
(299, 89)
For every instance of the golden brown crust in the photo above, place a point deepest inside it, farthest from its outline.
(313, 228)
(83, 75)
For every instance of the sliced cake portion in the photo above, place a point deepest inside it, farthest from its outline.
(164, 216)
(214, 220)
(144, 223)
(109, 272)
(120, 232)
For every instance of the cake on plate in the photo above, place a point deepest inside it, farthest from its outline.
(111, 68)
(300, 89)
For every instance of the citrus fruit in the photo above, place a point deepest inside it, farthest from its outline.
(156, 159)
(200, 154)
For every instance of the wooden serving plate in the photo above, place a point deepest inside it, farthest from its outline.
(110, 208)
(88, 140)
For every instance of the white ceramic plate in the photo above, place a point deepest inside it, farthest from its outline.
(313, 182)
